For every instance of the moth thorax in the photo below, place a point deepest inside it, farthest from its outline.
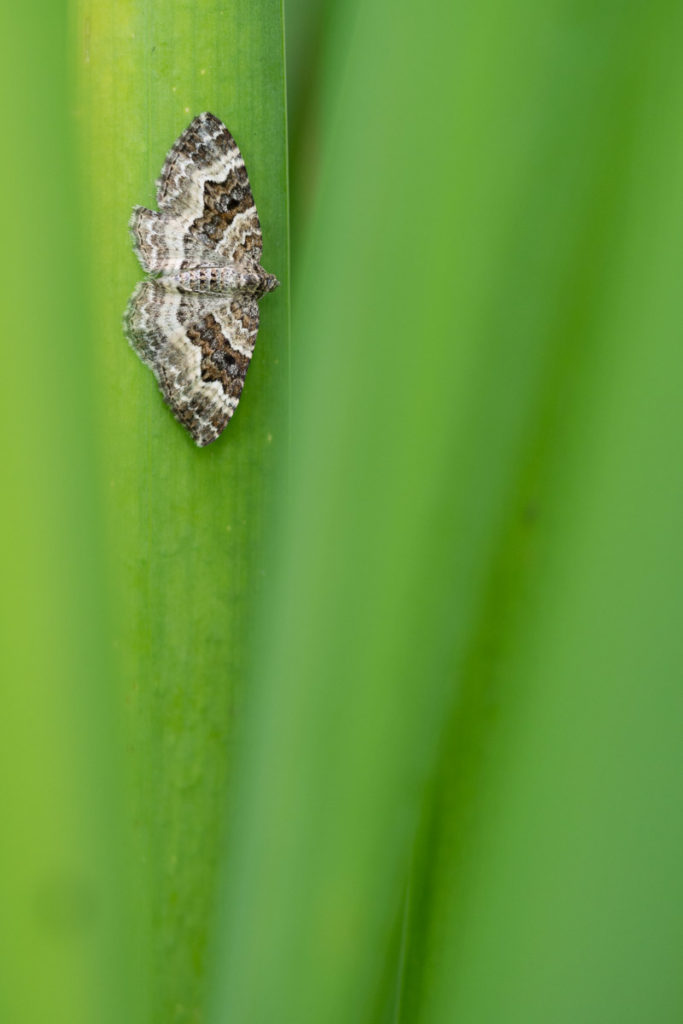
(222, 280)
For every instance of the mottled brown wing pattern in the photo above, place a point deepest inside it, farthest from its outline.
(198, 344)
(199, 348)
(156, 247)
(203, 151)
(228, 229)
(205, 195)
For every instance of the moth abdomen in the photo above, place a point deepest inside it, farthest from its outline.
(252, 281)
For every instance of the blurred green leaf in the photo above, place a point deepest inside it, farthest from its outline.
(70, 930)
(467, 673)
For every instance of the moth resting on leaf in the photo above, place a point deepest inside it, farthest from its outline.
(194, 323)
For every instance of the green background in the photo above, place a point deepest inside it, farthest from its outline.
(371, 711)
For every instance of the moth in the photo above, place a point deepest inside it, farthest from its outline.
(195, 319)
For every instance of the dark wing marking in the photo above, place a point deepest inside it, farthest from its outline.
(199, 348)
(205, 197)
(228, 229)
(205, 146)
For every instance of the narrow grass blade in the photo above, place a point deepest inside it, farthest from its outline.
(183, 526)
